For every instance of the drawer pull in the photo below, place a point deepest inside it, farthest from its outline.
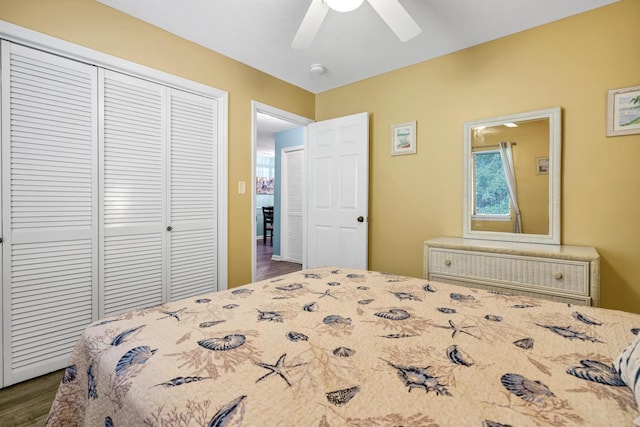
(558, 276)
(447, 262)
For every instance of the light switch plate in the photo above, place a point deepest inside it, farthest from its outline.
(241, 187)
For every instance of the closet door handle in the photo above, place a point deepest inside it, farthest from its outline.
(360, 219)
(169, 228)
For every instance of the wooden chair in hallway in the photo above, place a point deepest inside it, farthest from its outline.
(267, 220)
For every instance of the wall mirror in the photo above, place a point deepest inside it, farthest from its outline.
(512, 177)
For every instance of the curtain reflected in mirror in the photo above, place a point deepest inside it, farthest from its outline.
(512, 177)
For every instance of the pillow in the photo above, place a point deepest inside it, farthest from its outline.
(628, 367)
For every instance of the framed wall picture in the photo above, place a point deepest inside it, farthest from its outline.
(542, 165)
(403, 138)
(623, 111)
(264, 185)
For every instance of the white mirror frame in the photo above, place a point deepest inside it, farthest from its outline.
(555, 150)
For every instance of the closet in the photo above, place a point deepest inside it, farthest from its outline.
(110, 200)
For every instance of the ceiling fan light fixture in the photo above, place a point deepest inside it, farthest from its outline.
(343, 5)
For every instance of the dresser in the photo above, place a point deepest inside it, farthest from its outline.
(556, 272)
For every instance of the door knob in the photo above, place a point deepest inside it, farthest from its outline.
(360, 219)
(169, 228)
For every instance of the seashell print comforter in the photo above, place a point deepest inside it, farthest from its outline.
(342, 347)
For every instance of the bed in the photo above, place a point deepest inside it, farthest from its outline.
(343, 347)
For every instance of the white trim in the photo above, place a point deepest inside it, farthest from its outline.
(477, 217)
(258, 107)
(59, 47)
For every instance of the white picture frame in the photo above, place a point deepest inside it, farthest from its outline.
(542, 165)
(403, 139)
(623, 111)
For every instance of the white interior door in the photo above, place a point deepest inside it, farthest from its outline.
(337, 192)
(291, 204)
(133, 222)
(49, 208)
(193, 199)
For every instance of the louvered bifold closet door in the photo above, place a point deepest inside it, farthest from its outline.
(49, 208)
(132, 227)
(193, 196)
(292, 195)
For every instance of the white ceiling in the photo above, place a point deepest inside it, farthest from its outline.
(353, 45)
(266, 127)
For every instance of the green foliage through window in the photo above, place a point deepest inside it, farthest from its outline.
(491, 195)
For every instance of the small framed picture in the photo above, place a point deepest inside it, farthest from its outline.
(264, 185)
(542, 165)
(403, 138)
(623, 111)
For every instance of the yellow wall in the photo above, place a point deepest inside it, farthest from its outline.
(570, 63)
(93, 25)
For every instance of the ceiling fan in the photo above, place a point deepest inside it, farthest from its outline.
(391, 11)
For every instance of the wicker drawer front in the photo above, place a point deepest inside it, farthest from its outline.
(568, 276)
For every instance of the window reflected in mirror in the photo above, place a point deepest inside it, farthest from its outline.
(512, 177)
(493, 208)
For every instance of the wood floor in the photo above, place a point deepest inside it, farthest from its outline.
(267, 268)
(27, 404)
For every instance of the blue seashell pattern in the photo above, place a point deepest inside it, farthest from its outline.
(420, 378)
(178, 381)
(429, 288)
(460, 297)
(70, 373)
(334, 319)
(585, 319)
(242, 291)
(342, 397)
(121, 337)
(524, 388)
(230, 414)
(394, 314)
(296, 336)
(228, 342)
(458, 357)
(290, 287)
(312, 306)
(135, 356)
(405, 296)
(92, 390)
(210, 323)
(343, 352)
(598, 372)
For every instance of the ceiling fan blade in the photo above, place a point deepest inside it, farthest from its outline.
(310, 25)
(397, 18)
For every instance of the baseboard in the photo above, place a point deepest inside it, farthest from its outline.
(276, 258)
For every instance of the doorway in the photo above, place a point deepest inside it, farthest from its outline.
(266, 122)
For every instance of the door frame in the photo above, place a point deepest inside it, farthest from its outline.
(258, 107)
